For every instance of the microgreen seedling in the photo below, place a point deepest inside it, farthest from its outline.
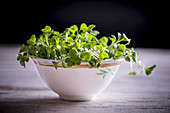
(75, 45)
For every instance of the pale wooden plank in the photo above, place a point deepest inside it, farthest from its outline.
(21, 90)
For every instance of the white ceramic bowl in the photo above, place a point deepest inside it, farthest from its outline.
(77, 83)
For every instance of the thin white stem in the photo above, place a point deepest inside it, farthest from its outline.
(63, 59)
(131, 66)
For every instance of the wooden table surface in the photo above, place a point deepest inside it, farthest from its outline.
(22, 90)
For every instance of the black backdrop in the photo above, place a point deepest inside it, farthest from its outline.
(143, 21)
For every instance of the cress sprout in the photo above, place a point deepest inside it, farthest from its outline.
(76, 45)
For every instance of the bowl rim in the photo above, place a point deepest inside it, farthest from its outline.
(48, 62)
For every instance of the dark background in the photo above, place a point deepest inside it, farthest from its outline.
(145, 22)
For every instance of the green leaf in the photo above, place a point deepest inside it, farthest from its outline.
(22, 62)
(63, 64)
(90, 28)
(119, 36)
(92, 63)
(69, 39)
(95, 32)
(27, 59)
(89, 37)
(32, 40)
(46, 29)
(124, 38)
(86, 55)
(100, 73)
(40, 40)
(53, 54)
(127, 58)
(121, 47)
(104, 76)
(74, 57)
(73, 28)
(57, 41)
(113, 39)
(23, 48)
(117, 53)
(76, 60)
(108, 69)
(135, 56)
(103, 55)
(69, 62)
(98, 65)
(42, 53)
(149, 70)
(113, 36)
(31, 50)
(72, 53)
(55, 64)
(63, 50)
(56, 33)
(93, 43)
(83, 27)
(99, 47)
(103, 71)
(103, 41)
(19, 57)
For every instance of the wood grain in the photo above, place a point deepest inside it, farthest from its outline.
(22, 91)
